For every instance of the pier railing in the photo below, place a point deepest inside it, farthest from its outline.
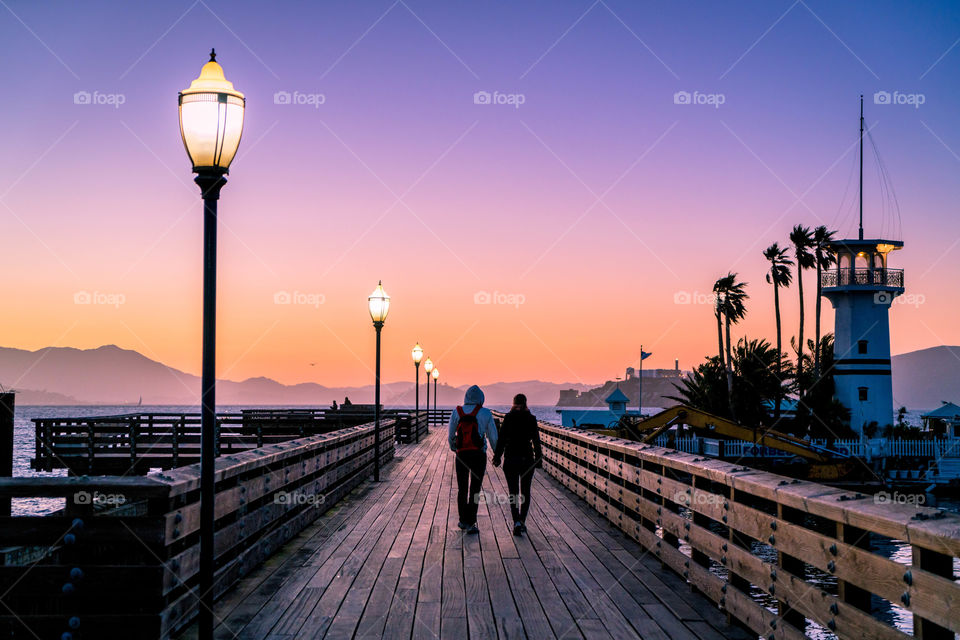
(734, 532)
(132, 444)
(121, 559)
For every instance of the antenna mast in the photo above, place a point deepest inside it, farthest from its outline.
(861, 166)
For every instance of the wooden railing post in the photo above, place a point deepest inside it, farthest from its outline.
(849, 593)
(941, 565)
(790, 565)
(737, 538)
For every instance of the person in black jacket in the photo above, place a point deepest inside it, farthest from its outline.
(518, 446)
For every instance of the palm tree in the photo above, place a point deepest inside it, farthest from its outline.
(779, 276)
(720, 288)
(730, 304)
(802, 241)
(822, 237)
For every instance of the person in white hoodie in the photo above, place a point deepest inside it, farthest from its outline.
(471, 427)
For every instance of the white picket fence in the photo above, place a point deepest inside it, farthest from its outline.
(942, 448)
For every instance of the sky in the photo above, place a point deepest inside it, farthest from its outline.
(542, 187)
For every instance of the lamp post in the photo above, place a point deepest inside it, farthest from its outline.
(436, 374)
(379, 304)
(417, 354)
(428, 367)
(211, 123)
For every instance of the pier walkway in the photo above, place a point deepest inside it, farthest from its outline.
(388, 560)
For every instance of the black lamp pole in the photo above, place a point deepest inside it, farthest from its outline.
(434, 394)
(210, 183)
(416, 413)
(428, 401)
(376, 426)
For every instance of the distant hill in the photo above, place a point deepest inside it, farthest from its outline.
(111, 375)
(924, 378)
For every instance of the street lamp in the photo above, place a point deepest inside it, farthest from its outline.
(211, 123)
(436, 374)
(417, 354)
(428, 367)
(379, 304)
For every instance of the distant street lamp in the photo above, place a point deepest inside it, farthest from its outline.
(428, 367)
(379, 303)
(436, 374)
(211, 123)
(417, 354)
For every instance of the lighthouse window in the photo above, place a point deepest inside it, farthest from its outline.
(861, 346)
(863, 393)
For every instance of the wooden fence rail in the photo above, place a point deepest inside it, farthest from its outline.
(731, 530)
(121, 559)
(135, 443)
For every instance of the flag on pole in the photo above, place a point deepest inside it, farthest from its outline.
(644, 355)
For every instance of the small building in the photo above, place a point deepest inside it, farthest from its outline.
(617, 401)
(944, 420)
(594, 418)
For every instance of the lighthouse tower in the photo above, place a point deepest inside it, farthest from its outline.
(861, 288)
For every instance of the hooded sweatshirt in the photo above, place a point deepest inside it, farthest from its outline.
(488, 429)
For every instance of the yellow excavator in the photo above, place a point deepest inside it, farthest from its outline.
(811, 461)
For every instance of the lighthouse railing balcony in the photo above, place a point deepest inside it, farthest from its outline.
(862, 277)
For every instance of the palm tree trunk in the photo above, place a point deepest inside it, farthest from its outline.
(720, 339)
(776, 306)
(733, 412)
(800, 336)
(816, 331)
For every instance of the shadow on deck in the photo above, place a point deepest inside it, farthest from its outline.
(389, 561)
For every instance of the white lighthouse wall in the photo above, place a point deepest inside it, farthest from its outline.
(863, 315)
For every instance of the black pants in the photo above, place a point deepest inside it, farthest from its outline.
(471, 465)
(519, 474)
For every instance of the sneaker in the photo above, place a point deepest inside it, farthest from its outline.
(523, 527)
(473, 529)
(462, 526)
(517, 528)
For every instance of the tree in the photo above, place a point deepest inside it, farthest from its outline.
(719, 295)
(779, 276)
(731, 304)
(824, 259)
(802, 241)
(819, 413)
(755, 383)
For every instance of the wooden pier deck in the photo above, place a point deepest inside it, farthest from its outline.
(389, 561)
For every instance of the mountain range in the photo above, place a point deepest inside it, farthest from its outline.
(115, 376)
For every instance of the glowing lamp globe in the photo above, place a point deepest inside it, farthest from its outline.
(428, 365)
(417, 353)
(211, 119)
(436, 373)
(379, 303)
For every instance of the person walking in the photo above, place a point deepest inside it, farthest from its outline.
(471, 426)
(519, 448)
